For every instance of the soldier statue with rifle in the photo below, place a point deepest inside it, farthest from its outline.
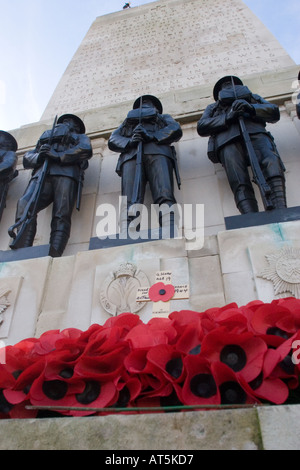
(8, 163)
(58, 163)
(238, 138)
(144, 141)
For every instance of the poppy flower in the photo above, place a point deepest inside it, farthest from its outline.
(104, 341)
(190, 332)
(168, 361)
(279, 362)
(154, 381)
(233, 390)
(231, 319)
(55, 339)
(72, 393)
(157, 331)
(124, 321)
(273, 319)
(243, 353)
(184, 318)
(190, 339)
(129, 388)
(274, 390)
(199, 387)
(161, 291)
(101, 367)
(24, 379)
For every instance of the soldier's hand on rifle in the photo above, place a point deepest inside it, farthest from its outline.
(46, 151)
(232, 115)
(140, 134)
(242, 106)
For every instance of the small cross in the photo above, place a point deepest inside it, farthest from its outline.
(161, 307)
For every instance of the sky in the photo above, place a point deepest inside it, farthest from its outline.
(39, 38)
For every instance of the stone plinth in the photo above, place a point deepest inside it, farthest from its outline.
(263, 428)
(239, 265)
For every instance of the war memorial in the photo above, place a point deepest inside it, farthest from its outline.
(150, 241)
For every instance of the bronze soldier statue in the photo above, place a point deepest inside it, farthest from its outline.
(146, 155)
(8, 163)
(58, 163)
(236, 125)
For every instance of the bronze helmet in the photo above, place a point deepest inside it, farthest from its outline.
(227, 78)
(12, 140)
(152, 98)
(75, 118)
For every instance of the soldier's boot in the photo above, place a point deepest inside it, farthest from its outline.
(278, 193)
(58, 242)
(247, 205)
(28, 235)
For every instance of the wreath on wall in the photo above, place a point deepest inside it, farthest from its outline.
(229, 356)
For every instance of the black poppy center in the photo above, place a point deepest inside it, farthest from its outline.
(174, 367)
(170, 400)
(287, 365)
(273, 330)
(55, 389)
(162, 292)
(66, 373)
(90, 393)
(203, 385)
(254, 384)
(233, 356)
(5, 406)
(196, 350)
(124, 397)
(232, 394)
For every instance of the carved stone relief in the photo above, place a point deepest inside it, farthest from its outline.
(4, 303)
(284, 271)
(119, 289)
(9, 290)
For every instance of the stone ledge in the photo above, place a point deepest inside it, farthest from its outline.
(200, 430)
(262, 218)
(262, 428)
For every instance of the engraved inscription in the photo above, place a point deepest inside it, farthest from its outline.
(163, 46)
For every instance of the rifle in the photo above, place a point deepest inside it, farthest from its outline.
(31, 208)
(258, 177)
(138, 167)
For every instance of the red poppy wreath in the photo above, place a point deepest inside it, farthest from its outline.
(231, 355)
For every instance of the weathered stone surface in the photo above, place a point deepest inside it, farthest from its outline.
(280, 427)
(201, 430)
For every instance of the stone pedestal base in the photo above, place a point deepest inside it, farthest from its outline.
(262, 218)
(236, 429)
